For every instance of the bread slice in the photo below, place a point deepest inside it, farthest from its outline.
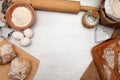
(107, 59)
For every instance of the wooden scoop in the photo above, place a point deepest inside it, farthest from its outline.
(58, 5)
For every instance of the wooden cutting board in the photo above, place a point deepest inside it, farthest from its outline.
(4, 69)
(91, 72)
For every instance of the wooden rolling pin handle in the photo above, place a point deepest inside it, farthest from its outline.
(86, 8)
(58, 5)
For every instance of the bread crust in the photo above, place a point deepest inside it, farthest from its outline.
(98, 52)
(19, 68)
(7, 53)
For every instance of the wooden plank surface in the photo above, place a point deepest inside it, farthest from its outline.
(91, 73)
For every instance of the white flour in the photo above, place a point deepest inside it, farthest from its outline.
(21, 16)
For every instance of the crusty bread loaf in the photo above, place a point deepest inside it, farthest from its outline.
(19, 68)
(7, 53)
(107, 59)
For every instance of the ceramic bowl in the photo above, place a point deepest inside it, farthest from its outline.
(10, 11)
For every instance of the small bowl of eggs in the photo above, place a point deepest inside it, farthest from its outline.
(20, 16)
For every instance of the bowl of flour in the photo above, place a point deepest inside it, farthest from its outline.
(20, 16)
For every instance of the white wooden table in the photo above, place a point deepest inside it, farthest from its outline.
(62, 44)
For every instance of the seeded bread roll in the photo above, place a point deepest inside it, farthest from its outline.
(107, 59)
(7, 53)
(19, 69)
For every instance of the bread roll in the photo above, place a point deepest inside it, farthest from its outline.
(7, 53)
(19, 69)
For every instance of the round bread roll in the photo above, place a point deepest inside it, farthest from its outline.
(19, 69)
(7, 53)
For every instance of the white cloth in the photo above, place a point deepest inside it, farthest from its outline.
(112, 8)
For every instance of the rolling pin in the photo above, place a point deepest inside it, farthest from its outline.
(58, 5)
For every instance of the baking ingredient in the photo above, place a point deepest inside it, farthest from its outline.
(17, 35)
(2, 15)
(5, 5)
(103, 33)
(90, 19)
(118, 63)
(2, 23)
(23, 37)
(116, 7)
(25, 42)
(112, 8)
(21, 16)
(107, 71)
(28, 33)
(5, 31)
(109, 56)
